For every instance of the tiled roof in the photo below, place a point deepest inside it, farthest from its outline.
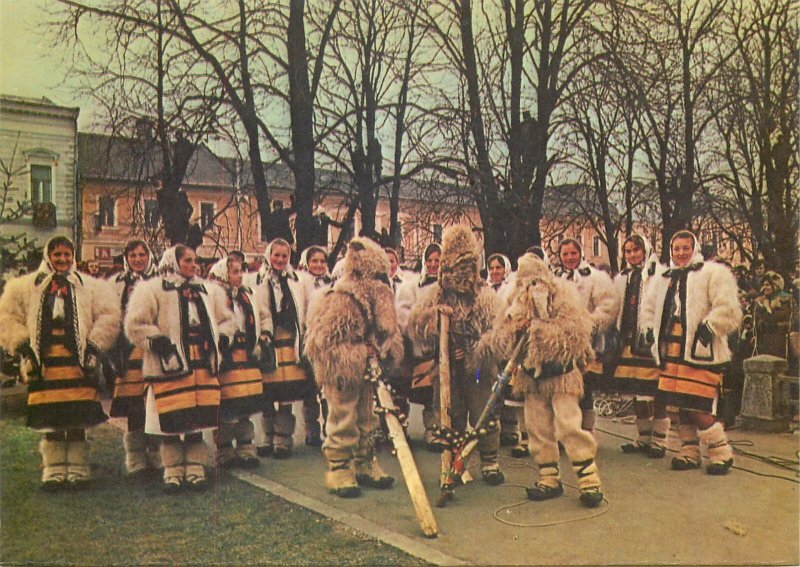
(126, 159)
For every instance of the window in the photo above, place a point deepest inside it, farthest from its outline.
(41, 184)
(596, 246)
(206, 215)
(150, 213)
(107, 205)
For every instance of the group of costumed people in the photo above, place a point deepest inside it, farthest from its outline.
(193, 354)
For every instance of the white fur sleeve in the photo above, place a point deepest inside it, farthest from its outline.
(648, 309)
(223, 316)
(726, 313)
(261, 304)
(106, 314)
(14, 305)
(406, 298)
(606, 305)
(142, 314)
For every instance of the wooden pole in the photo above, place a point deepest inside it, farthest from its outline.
(444, 405)
(422, 507)
(459, 468)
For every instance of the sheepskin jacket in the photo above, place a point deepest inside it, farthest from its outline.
(97, 308)
(261, 313)
(650, 271)
(423, 323)
(407, 294)
(558, 337)
(710, 296)
(357, 312)
(155, 309)
(342, 321)
(596, 291)
(260, 284)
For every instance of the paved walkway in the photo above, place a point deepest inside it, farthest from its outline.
(653, 515)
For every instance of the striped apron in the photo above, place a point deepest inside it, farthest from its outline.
(683, 385)
(63, 398)
(191, 402)
(289, 382)
(240, 381)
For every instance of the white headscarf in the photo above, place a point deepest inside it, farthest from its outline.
(582, 266)
(650, 262)
(47, 272)
(506, 264)
(303, 264)
(697, 255)
(219, 271)
(169, 269)
(46, 269)
(433, 246)
(168, 264)
(266, 265)
(149, 270)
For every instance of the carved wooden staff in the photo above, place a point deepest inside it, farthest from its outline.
(455, 473)
(444, 406)
(422, 508)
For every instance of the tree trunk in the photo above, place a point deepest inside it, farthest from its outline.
(302, 116)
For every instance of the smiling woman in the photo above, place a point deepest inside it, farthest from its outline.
(60, 342)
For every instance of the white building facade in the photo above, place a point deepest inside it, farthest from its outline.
(38, 149)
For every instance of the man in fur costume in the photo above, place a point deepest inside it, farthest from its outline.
(347, 325)
(558, 330)
(472, 307)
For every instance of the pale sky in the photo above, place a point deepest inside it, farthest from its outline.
(27, 68)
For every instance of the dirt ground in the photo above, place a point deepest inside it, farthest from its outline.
(653, 515)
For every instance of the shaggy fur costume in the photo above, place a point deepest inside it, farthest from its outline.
(559, 345)
(474, 304)
(475, 307)
(559, 332)
(358, 306)
(357, 312)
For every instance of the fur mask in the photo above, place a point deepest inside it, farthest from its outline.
(365, 259)
(459, 267)
(534, 286)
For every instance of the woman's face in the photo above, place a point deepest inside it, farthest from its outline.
(61, 258)
(187, 265)
(767, 289)
(393, 265)
(137, 259)
(316, 264)
(432, 263)
(235, 274)
(279, 257)
(634, 255)
(496, 271)
(682, 251)
(570, 256)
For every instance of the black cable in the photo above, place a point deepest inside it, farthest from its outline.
(778, 462)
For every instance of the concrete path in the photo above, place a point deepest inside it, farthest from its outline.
(653, 515)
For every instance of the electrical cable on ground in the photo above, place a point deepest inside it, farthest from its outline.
(519, 463)
(778, 462)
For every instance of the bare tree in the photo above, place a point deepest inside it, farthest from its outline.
(512, 49)
(756, 191)
(671, 63)
(148, 86)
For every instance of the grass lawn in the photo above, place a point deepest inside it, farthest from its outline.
(120, 521)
